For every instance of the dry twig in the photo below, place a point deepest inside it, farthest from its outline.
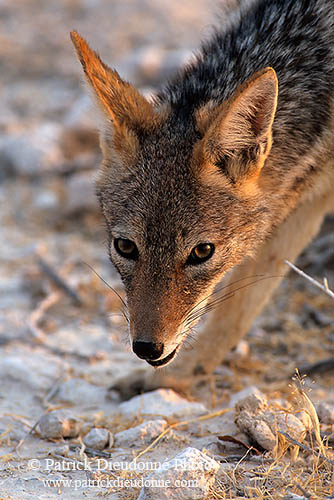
(323, 287)
(58, 280)
(38, 313)
(178, 424)
(304, 447)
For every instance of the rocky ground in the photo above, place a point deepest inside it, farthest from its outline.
(249, 431)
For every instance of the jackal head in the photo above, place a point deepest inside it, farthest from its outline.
(182, 195)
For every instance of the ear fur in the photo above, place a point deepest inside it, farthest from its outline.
(119, 100)
(238, 140)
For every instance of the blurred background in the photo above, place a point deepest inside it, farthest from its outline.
(56, 314)
(49, 151)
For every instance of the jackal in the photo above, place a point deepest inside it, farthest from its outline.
(228, 170)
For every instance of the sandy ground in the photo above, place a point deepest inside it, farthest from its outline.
(60, 351)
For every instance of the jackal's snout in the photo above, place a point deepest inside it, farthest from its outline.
(158, 348)
(148, 350)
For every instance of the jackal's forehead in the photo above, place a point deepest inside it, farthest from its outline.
(162, 203)
(159, 194)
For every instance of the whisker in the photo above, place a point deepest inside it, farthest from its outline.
(217, 290)
(209, 307)
(120, 314)
(221, 288)
(212, 304)
(124, 309)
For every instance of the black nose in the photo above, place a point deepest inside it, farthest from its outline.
(147, 350)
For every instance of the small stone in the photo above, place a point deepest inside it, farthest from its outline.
(310, 314)
(62, 451)
(188, 476)
(142, 434)
(293, 496)
(78, 391)
(256, 428)
(80, 193)
(162, 402)
(325, 413)
(81, 114)
(32, 152)
(97, 438)
(240, 352)
(33, 371)
(13, 368)
(153, 64)
(46, 200)
(58, 424)
(305, 419)
(273, 324)
(245, 393)
(261, 423)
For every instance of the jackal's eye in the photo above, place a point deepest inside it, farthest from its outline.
(126, 248)
(201, 253)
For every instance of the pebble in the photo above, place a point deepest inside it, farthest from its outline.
(80, 193)
(153, 64)
(81, 114)
(311, 314)
(98, 439)
(58, 424)
(32, 152)
(31, 371)
(293, 496)
(142, 434)
(261, 423)
(63, 450)
(78, 391)
(244, 393)
(325, 413)
(46, 200)
(239, 353)
(188, 476)
(162, 402)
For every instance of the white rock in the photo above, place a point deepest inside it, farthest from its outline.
(325, 413)
(248, 391)
(33, 152)
(240, 352)
(162, 402)
(81, 114)
(57, 424)
(97, 438)
(46, 200)
(153, 64)
(80, 193)
(142, 434)
(187, 476)
(260, 432)
(293, 496)
(63, 450)
(32, 371)
(78, 391)
(262, 423)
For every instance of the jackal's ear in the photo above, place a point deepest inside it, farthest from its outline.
(119, 100)
(239, 139)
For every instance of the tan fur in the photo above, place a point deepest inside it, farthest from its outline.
(128, 110)
(120, 100)
(243, 121)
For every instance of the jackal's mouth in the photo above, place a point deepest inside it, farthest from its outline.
(163, 361)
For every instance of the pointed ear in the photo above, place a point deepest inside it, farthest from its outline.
(119, 100)
(239, 139)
